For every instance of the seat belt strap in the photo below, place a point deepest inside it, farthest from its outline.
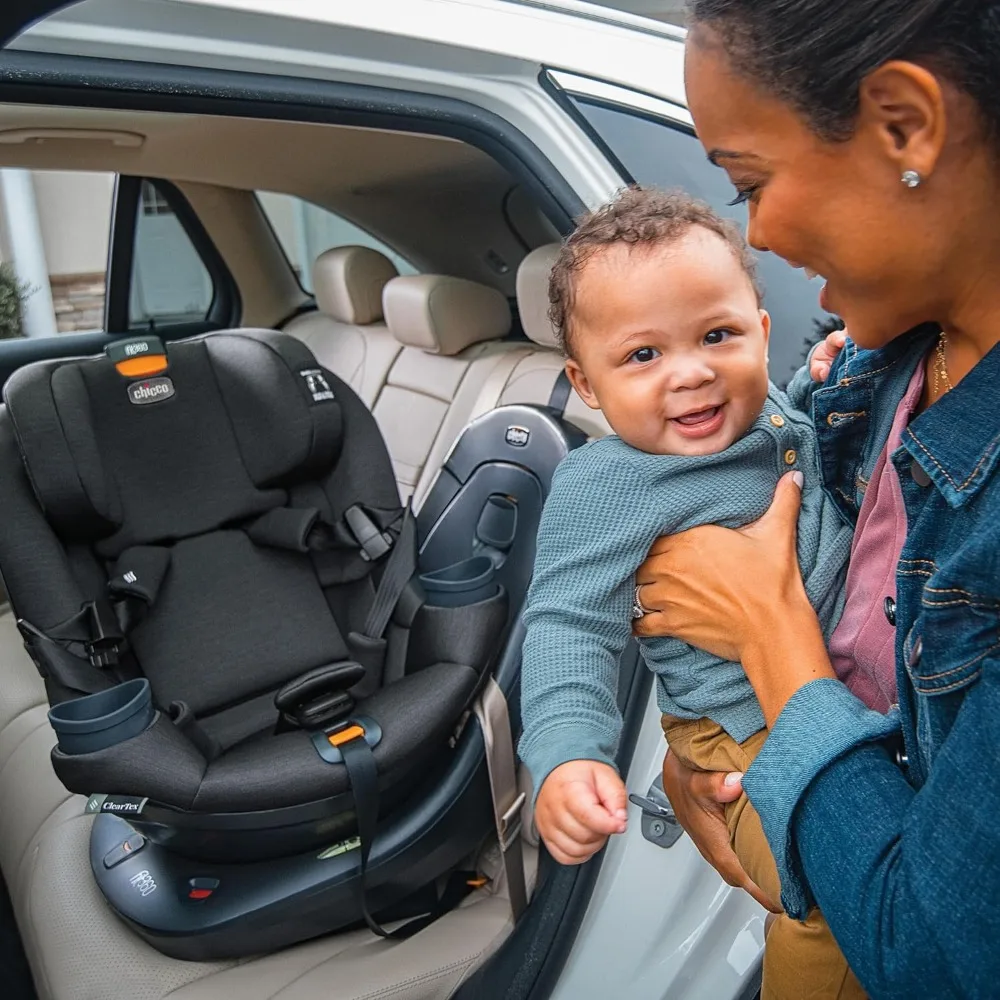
(559, 396)
(361, 769)
(495, 383)
(494, 720)
(399, 569)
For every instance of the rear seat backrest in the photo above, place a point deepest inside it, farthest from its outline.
(446, 327)
(512, 372)
(534, 377)
(347, 332)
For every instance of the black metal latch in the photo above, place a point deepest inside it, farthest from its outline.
(659, 824)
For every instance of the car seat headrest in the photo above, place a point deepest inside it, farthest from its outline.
(235, 418)
(444, 315)
(348, 283)
(533, 295)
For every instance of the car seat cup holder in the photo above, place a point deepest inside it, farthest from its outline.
(467, 582)
(98, 721)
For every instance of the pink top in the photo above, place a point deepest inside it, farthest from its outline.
(863, 645)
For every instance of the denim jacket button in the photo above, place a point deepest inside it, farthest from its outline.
(920, 477)
(901, 759)
(889, 607)
(915, 652)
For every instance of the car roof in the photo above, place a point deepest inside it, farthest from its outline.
(473, 37)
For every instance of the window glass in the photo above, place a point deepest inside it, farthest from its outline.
(54, 230)
(170, 283)
(305, 230)
(657, 153)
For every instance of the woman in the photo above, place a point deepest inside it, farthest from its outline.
(865, 137)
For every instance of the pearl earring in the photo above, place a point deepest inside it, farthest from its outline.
(911, 178)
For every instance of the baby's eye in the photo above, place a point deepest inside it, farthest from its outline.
(644, 355)
(717, 336)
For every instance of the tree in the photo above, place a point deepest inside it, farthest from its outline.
(12, 294)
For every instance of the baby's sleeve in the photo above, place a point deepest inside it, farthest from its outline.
(597, 526)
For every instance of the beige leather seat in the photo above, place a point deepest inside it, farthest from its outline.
(510, 372)
(347, 332)
(449, 330)
(533, 379)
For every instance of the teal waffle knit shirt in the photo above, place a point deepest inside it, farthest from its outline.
(608, 504)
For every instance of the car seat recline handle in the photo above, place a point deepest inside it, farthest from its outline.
(320, 695)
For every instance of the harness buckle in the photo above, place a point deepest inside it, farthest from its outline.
(373, 541)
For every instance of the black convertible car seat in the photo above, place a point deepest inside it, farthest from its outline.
(219, 518)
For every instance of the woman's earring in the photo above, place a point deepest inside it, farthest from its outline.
(911, 178)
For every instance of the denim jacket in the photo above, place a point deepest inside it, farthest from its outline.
(899, 841)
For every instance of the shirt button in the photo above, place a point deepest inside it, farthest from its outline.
(916, 652)
(889, 607)
(920, 477)
(790, 456)
(777, 420)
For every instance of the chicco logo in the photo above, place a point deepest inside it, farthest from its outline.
(151, 390)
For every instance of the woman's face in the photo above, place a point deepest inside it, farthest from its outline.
(839, 208)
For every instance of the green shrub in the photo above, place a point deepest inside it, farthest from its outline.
(12, 293)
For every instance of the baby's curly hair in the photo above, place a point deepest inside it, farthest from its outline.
(638, 216)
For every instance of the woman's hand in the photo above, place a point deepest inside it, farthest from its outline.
(698, 799)
(739, 594)
(824, 354)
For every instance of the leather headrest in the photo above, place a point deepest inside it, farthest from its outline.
(533, 294)
(443, 315)
(348, 283)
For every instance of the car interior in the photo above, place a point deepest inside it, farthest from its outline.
(282, 492)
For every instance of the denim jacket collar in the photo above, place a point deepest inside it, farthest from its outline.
(957, 440)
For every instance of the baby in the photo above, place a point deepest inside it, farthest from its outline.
(656, 302)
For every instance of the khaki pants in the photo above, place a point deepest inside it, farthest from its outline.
(801, 959)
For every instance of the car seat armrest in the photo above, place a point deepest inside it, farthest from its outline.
(319, 695)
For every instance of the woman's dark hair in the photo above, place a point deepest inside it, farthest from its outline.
(813, 54)
(637, 217)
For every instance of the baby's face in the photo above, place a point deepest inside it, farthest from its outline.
(670, 343)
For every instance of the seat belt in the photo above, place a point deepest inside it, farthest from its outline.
(399, 570)
(494, 720)
(559, 397)
(495, 383)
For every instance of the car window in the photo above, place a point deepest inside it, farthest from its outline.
(305, 230)
(656, 152)
(53, 276)
(170, 283)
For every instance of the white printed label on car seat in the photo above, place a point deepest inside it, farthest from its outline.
(351, 844)
(150, 390)
(516, 436)
(143, 883)
(317, 385)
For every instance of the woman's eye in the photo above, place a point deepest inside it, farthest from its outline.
(744, 195)
(717, 336)
(644, 355)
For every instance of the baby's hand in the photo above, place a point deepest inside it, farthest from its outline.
(581, 803)
(824, 354)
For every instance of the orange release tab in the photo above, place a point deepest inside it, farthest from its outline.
(345, 735)
(142, 366)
